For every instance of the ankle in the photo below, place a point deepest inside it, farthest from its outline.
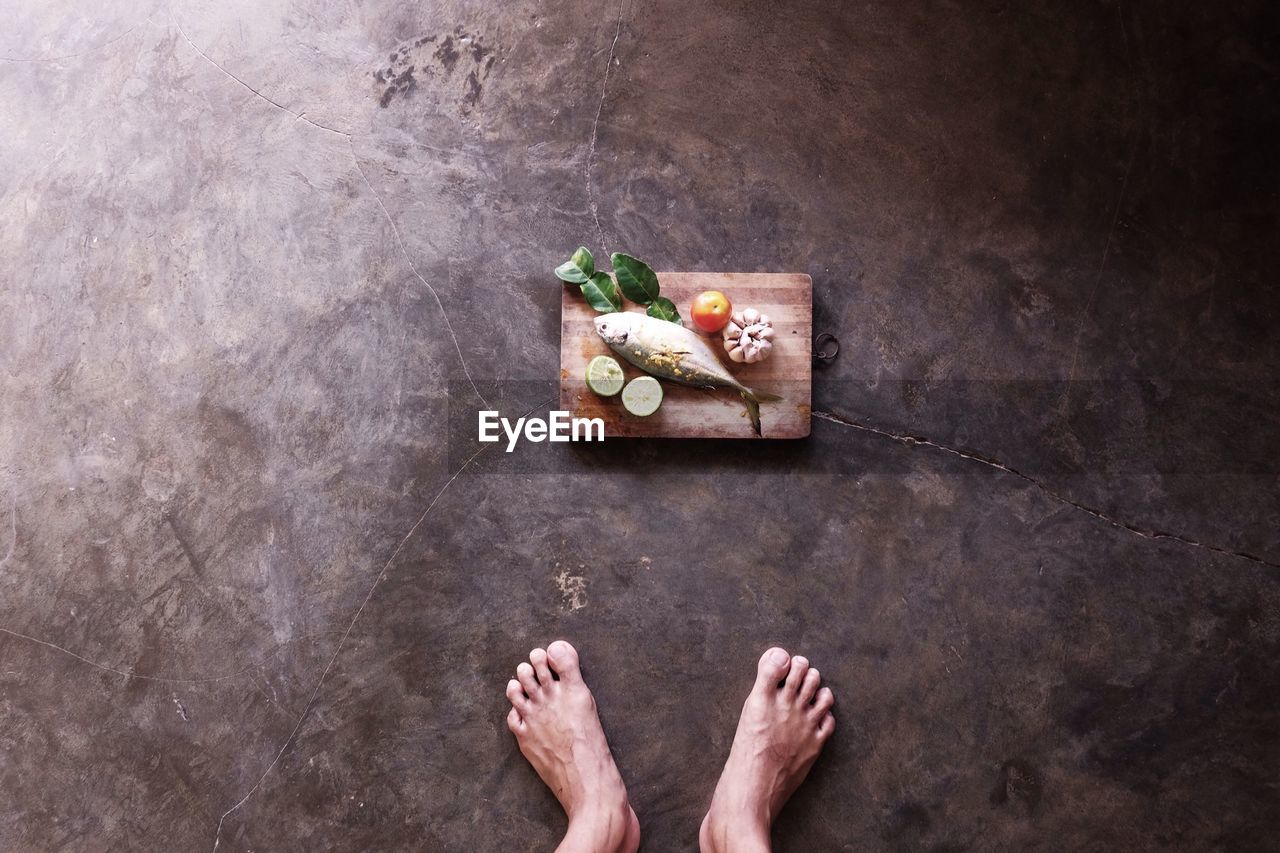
(599, 826)
(734, 831)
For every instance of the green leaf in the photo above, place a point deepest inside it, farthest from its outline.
(601, 293)
(638, 282)
(582, 260)
(580, 267)
(664, 309)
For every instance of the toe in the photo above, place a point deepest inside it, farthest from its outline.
(772, 668)
(809, 687)
(799, 669)
(564, 660)
(823, 702)
(515, 693)
(514, 721)
(528, 681)
(827, 726)
(538, 657)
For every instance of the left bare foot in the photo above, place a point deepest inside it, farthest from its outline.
(553, 716)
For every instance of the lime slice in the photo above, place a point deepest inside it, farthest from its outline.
(604, 376)
(642, 396)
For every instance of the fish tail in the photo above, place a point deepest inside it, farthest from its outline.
(760, 396)
(753, 399)
(753, 410)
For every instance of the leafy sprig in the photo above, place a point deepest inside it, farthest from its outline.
(636, 281)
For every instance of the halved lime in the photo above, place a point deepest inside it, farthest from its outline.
(604, 376)
(642, 396)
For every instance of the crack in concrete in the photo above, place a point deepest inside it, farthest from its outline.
(296, 115)
(324, 675)
(1143, 531)
(413, 267)
(315, 692)
(102, 46)
(301, 116)
(595, 128)
(154, 678)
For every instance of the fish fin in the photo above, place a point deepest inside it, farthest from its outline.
(760, 396)
(753, 410)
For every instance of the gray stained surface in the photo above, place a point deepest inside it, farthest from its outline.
(262, 261)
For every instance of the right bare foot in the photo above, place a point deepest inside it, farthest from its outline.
(780, 733)
(553, 716)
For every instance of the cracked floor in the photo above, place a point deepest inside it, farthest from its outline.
(260, 591)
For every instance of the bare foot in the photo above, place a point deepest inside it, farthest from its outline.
(553, 717)
(780, 733)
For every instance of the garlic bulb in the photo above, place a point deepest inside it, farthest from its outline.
(748, 337)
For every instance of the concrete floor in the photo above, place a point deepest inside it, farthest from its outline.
(262, 260)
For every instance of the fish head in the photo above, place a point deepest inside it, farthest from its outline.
(614, 328)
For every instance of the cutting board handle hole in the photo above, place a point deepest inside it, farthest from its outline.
(826, 347)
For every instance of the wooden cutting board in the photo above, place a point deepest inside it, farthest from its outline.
(786, 298)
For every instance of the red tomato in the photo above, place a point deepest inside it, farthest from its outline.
(710, 310)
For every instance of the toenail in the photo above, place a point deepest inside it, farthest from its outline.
(778, 657)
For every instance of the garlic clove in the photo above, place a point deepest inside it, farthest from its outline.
(766, 334)
(764, 320)
(737, 354)
(737, 320)
(751, 316)
(732, 331)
